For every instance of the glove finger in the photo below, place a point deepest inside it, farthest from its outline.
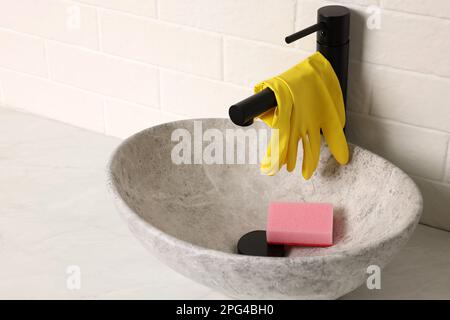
(315, 141)
(292, 153)
(276, 152)
(335, 138)
(308, 162)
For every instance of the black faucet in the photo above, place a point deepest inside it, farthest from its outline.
(333, 38)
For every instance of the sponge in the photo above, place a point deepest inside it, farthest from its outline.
(302, 224)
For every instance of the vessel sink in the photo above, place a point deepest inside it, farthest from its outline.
(191, 215)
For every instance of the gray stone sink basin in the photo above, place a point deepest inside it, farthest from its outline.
(191, 215)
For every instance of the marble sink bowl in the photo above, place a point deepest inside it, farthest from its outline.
(191, 215)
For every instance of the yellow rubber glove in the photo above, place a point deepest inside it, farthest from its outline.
(309, 98)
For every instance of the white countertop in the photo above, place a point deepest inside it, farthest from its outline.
(56, 212)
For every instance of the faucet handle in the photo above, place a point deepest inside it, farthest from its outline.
(305, 32)
(333, 22)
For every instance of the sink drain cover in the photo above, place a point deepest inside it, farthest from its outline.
(255, 243)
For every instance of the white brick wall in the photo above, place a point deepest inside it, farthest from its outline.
(103, 74)
(122, 119)
(193, 96)
(51, 99)
(140, 7)
(248, 62)
(59, 20)
(117, 66)
(23, 53)
(163, 44)
(265, 20)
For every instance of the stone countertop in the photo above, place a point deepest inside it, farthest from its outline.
(56, 212)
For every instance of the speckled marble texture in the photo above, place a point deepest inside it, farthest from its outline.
(191, 216)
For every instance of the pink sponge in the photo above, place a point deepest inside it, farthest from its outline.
(306, 224)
